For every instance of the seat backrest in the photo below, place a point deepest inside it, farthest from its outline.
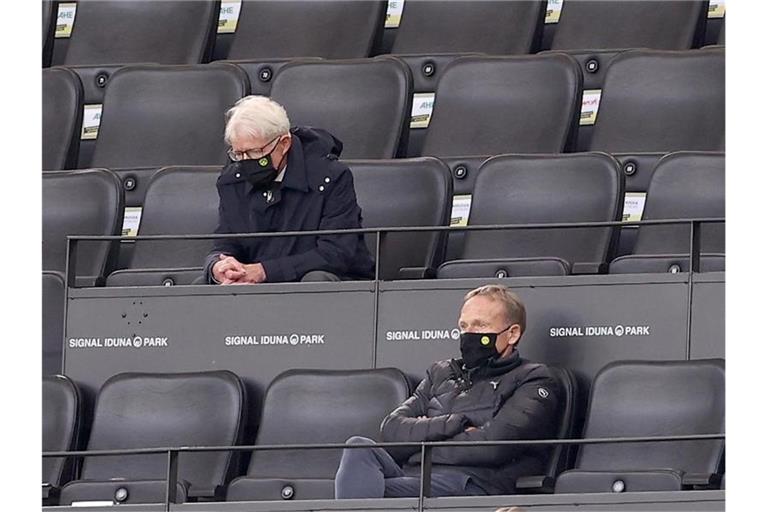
(62, 116)
(660, 24)
(86, 202)
(404, 192)
(663, 101)
(533, 189)
(365, 103)
(130, 31)
(493, 27)
(684, 185)
(656, 398)
(53, 321)
(62, 416)
(179, 201)
(145, 410)
(50, 12)
(495, 105)
(559, 454)
(322, 406)
(167, 115)
(291, 28)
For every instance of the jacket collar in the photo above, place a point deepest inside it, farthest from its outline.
(295, 176)
(498, 366)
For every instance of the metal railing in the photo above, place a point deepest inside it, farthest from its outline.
(694, 252)
(425, 458)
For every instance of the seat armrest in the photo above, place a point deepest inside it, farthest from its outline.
(50, 494)
(205, 493)
(585, 267)
(699, 480)
(536, 484)
(417, 273)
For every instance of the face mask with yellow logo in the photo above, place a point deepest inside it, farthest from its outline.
(478, 348)
(261, 173)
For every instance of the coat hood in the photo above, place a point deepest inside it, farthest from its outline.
(317, 140)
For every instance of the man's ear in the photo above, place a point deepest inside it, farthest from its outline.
(514, 335)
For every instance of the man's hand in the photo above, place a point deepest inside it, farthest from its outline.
(470, 429)
(254, 274)
(228, 270)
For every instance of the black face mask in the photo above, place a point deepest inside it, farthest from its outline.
(260, 173)
(478, 348)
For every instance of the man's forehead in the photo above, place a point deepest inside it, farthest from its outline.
(247, 141)
(481, 306)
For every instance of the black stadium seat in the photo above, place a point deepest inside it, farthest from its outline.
(404, 192)
(532, 189)
(684, 185)
(145, 410)
(296, 410)
(62, 422)
(50, 9)
(663, 101)
(643, 398)
(492, 27)
(86, 202)
(559, 455)
(595, 32)
(431, 35)
(167, 115)
(494, 105)
(53, 321)
(179, 201)
(62, 116)
(664, 25)
(261, 72)
(122, 32)
(366, 103)
(292, 28)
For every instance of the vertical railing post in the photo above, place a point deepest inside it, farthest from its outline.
(694, 266)
(70, 266)
(695, 249)
(378, 254)
(171, 479)
(425, 487)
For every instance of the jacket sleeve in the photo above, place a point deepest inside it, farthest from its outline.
(333, 253)
(410, 423)
(228, 246)
(524, 415)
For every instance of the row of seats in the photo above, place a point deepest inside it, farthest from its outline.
(652, 101)
(135, 410)
(510, 189)
(112, 32)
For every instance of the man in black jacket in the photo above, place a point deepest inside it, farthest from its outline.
(284, 179)
(490, 394)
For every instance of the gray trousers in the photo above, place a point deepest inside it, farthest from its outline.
(373, 473)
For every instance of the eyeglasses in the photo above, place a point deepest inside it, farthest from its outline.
(251, 154)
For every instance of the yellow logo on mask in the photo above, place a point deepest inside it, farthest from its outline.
(485, 340)
(263, 162)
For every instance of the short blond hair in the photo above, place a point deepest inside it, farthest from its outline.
(512, 303)
(256, 116)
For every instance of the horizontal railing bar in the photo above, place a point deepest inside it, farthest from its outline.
(435, 444)
(401, 229)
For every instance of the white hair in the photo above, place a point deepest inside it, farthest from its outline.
(256, 116)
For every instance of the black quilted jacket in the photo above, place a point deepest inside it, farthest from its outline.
(511, 399)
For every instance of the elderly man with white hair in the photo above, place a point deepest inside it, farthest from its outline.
(284, 179)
